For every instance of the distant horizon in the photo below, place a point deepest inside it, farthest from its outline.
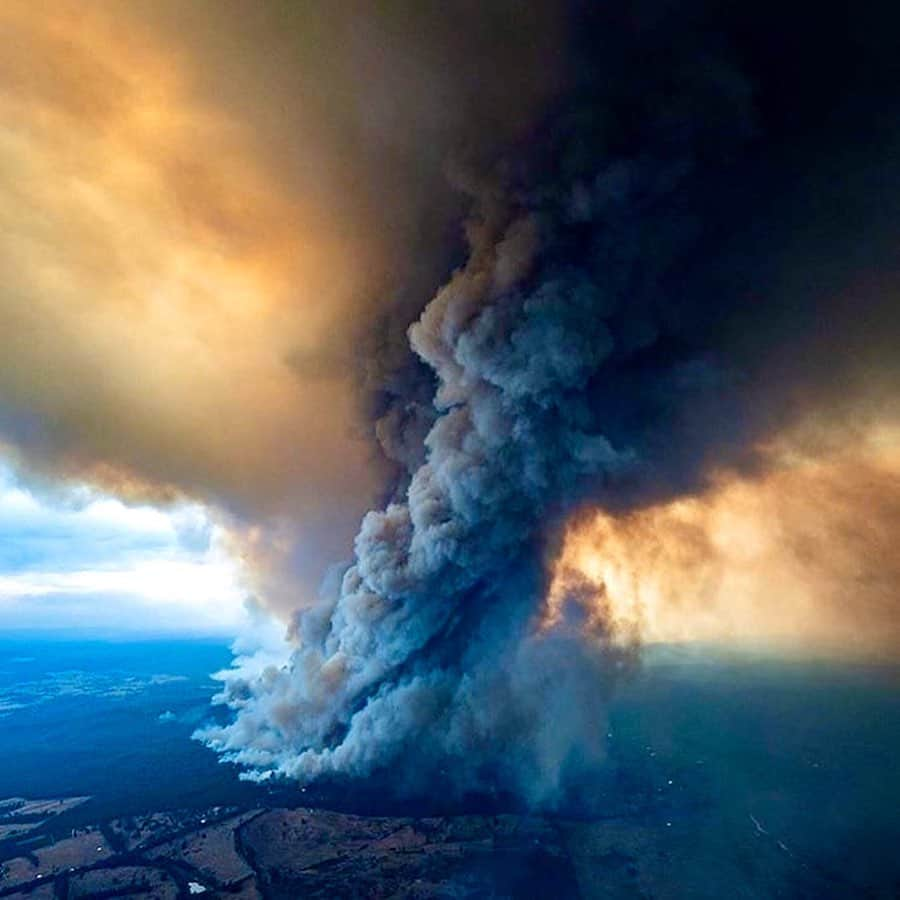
(649, 655)
(102, 636)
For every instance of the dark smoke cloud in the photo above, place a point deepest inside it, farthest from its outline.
(609, 339)
(222, 230)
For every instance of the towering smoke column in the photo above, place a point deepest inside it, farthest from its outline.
(597, 347)
(558, 376)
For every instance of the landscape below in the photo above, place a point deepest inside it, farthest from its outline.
(738, 774)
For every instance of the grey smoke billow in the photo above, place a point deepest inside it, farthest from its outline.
(431, 636)
(588, 349)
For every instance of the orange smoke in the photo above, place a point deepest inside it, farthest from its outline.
(803, 554)
(158, 277)
(203, 207)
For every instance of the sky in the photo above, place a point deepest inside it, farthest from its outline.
(85, 564)
(477, 345)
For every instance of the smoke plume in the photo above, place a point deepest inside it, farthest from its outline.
(600, 346)
(490, 273)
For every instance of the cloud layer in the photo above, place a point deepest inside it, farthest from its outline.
(84, 563)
